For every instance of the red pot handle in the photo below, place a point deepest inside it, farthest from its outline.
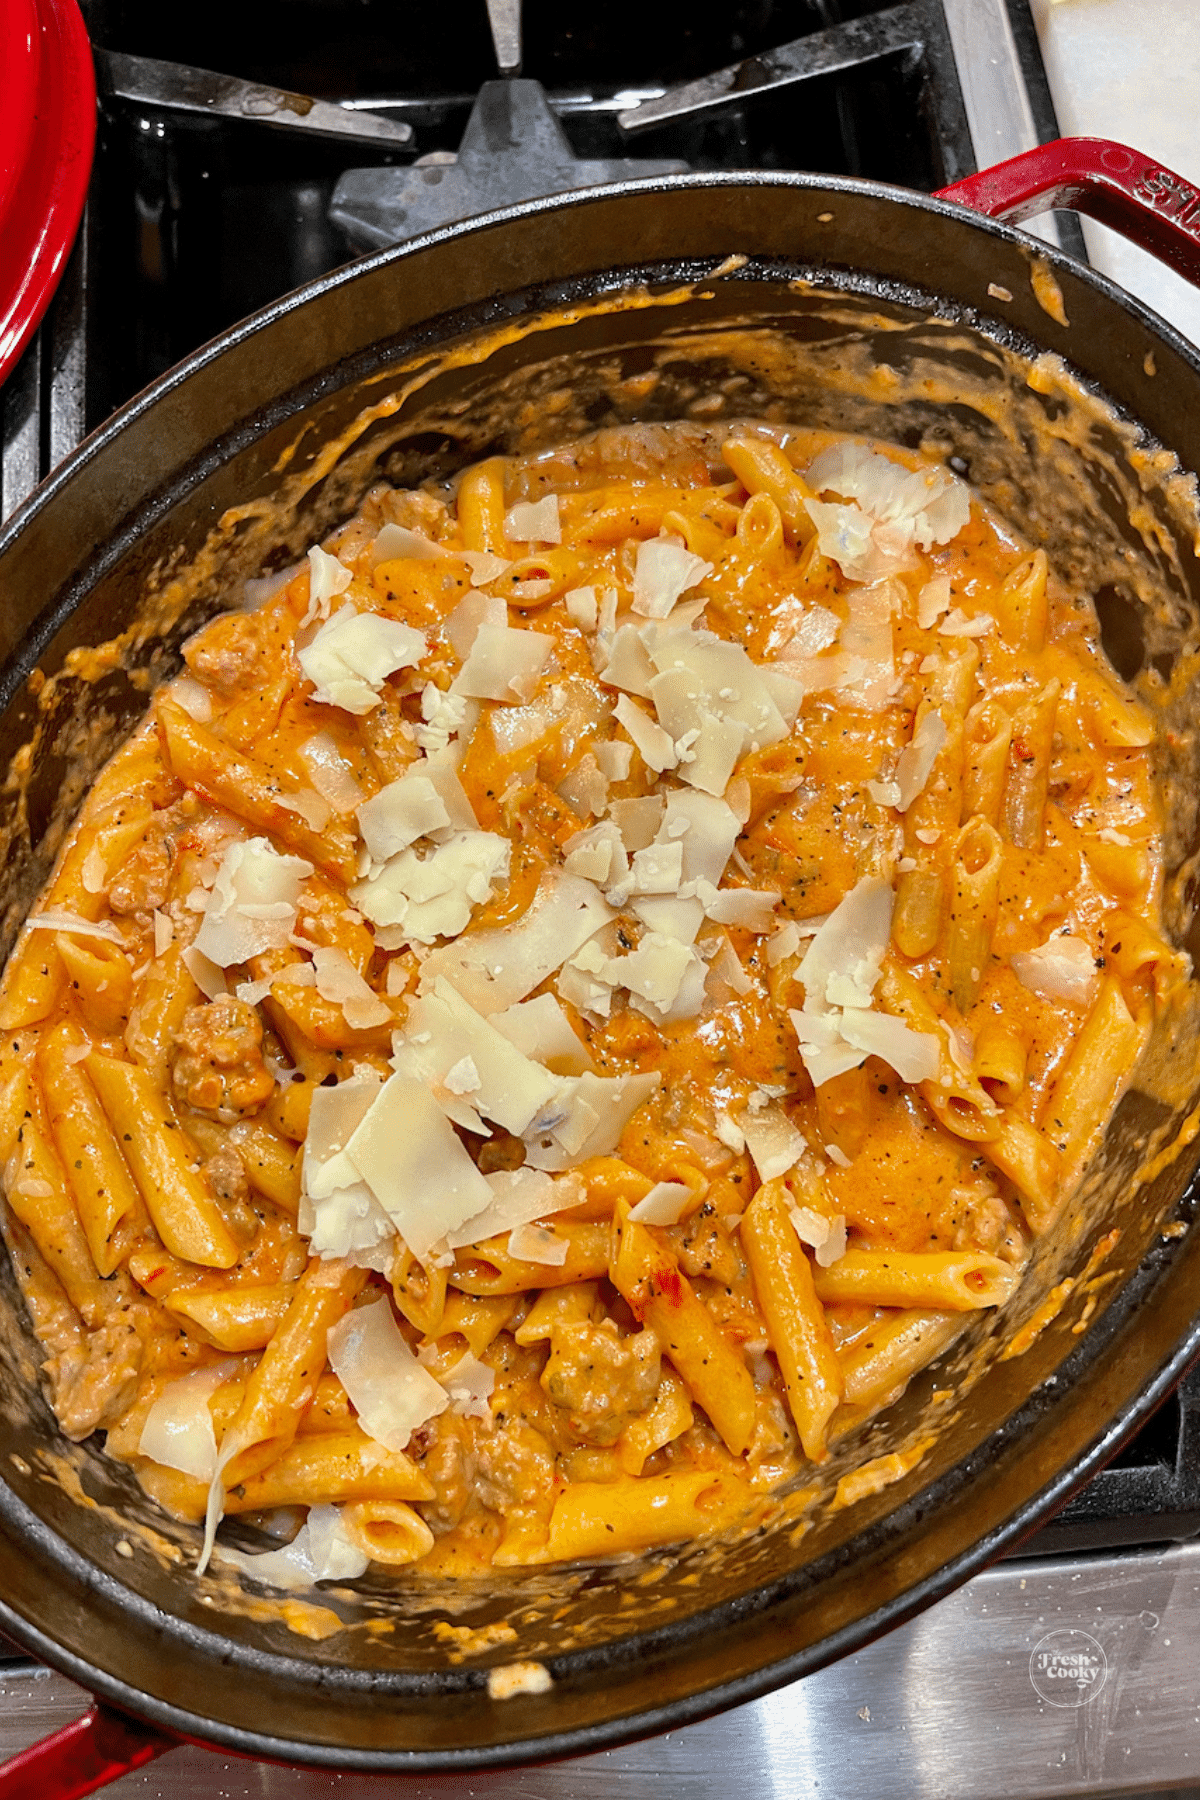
(1137, 196)
(85, 1755)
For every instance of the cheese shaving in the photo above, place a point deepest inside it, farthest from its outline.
(353, 654)
(389, 1390)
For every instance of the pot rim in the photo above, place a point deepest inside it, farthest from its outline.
(591, 1737)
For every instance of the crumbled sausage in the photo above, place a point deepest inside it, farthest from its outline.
(230, 656)
(600, 1378)
(95, 1383)
(144, 878)
(219, 1068)
(226, 1174)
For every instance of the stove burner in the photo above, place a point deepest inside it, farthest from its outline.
(513, 149)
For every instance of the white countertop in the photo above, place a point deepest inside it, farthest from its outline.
(1130, 70)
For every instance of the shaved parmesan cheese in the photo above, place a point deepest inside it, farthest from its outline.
(670, 916)
(827, 1237)
(785, 942)
(339, 982)
(432, 896)
(438, 768)
(395, 542)
(57, 918)
(593, 1111)
(584, 788)
(540, 1029)
(915, 1055)
(772, 1140)
(710, 687)
(534, 522)
(470, 1385)
(658, 869)
(663, 1205)
(178, 1432)
(445, 715)
(463, 1078)
(390, 1391)
(597, 854)
(208, 976)
(627, 663)
(407, 1152)
(614, 758)
(252, 906)
(338, 1212)
(843, 961)
(538, 1244)
(194, 698)
(959, 625)
(915, 763)
(749, 908)
(312, 808)
(518, 1197)
(664, 570)
(726, 975)
(330, 773)
(823, 1050)
(655, 973)
(473, 610)
(884, 793)
(320, 1551)
(484, 566)
(351, 657)
(400, 813)
(638, 821)
(443, 1030)
(863, 549)
(904, 507)
(1063, 968)
(706, 828)
(817, 630)
(492, 970)
(503, 664)
(654, 745)
(581, 607)
(164, 933)
(933, 601)
(327, 578)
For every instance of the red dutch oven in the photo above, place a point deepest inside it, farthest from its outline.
(1064, 426)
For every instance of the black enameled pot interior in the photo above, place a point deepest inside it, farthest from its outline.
(129, 537)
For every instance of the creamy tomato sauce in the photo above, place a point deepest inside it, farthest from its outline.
(564, 1007)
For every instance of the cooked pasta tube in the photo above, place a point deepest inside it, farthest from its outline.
(975, 865)
(478, 1318)
(480, 505)
(1092, 1079)
(1021, 605)
(329, 1469)
(100, 977)
(604, 1518)
(763, 468)
(1115, 721)
(179, 1201)
(917, 916)
(668, 1418)
(558, 1306)
(1137, 953)
(248, 790)
(891, 1352)
(271, 1163)
(1031, 1162)
(956, 1100)
(1028, 777)
(37, 1191)
(106, 1196)
(387, 1531)
(166, 992)
(987, 734)
(646, 1272)
(800, 1338)
(488, 1268)
(1000, 1057)
(286, 1375)
(945, 1280)
(236, 1319)
(419, 1290)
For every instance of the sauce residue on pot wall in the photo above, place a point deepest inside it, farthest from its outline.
(1113, 512)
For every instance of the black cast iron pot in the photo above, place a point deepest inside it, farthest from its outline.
(133, 535)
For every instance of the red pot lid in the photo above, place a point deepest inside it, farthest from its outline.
(47, 133)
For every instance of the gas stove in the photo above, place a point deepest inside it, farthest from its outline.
(1069, 1668)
